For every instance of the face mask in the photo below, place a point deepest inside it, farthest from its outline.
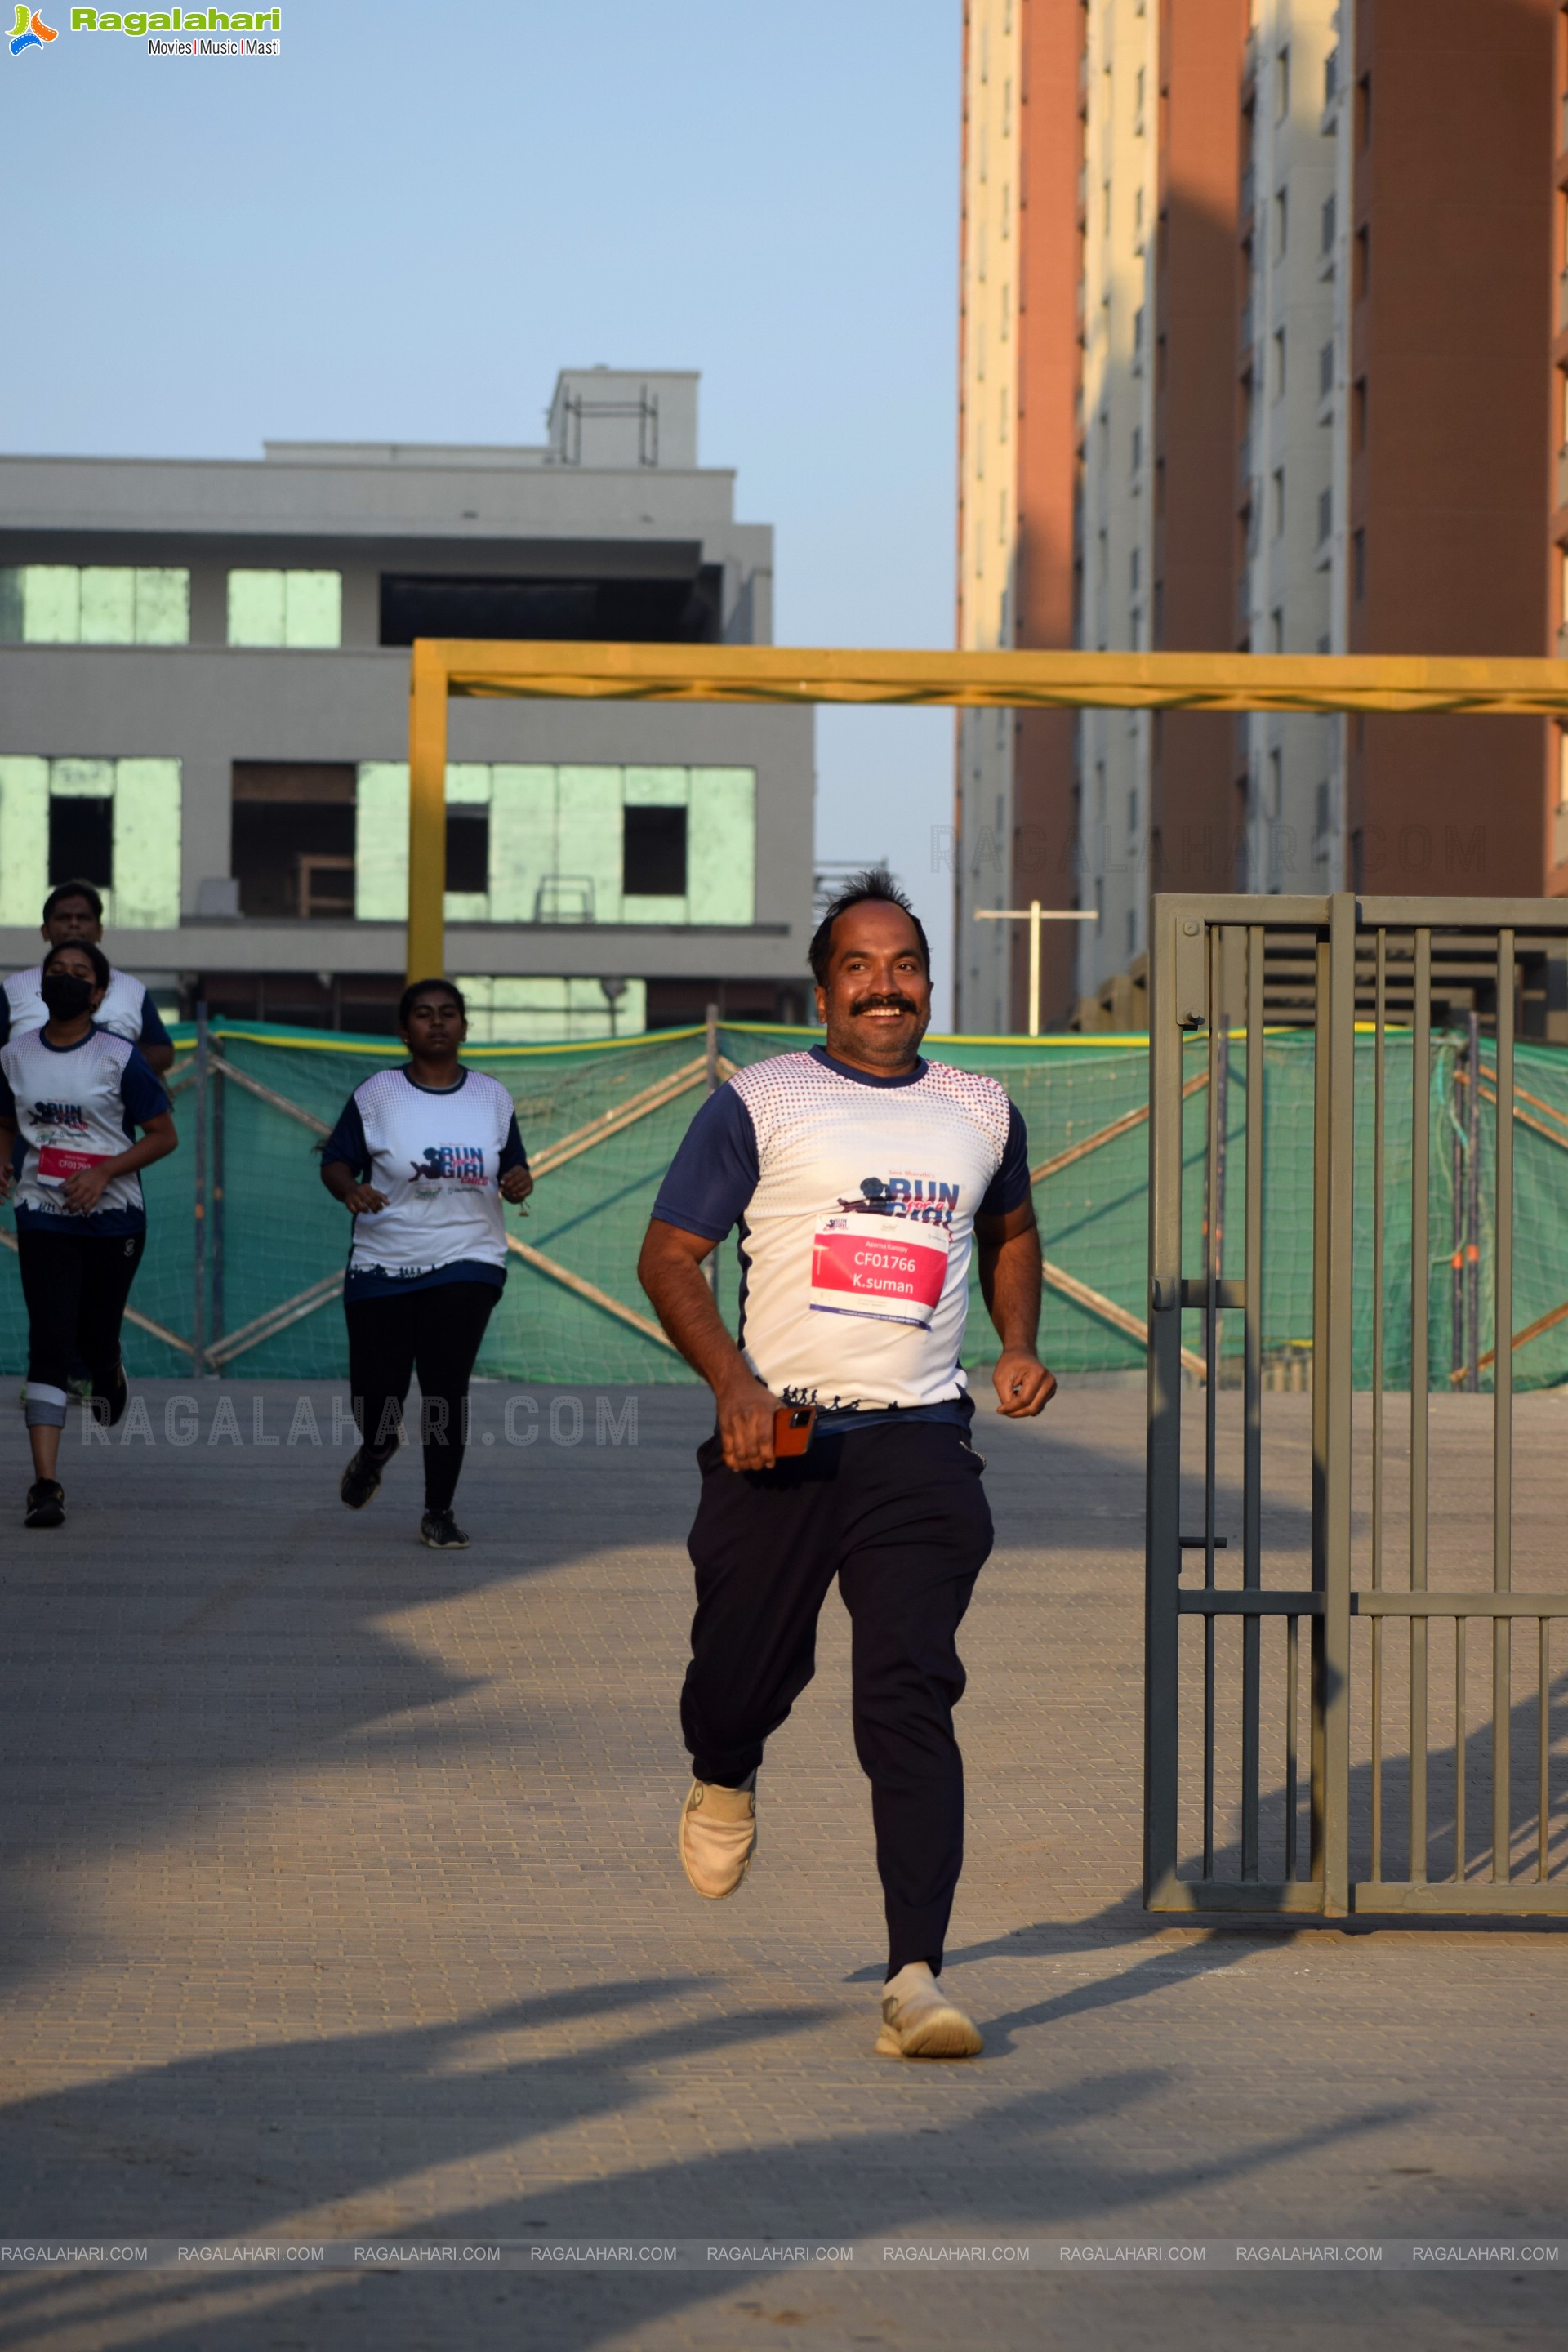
(66, 996)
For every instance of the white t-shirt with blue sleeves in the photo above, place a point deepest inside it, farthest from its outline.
(437, 1154)
(127, 1009)
(856, 1199)
(73, 1106)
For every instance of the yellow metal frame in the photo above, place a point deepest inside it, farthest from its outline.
(444, 666)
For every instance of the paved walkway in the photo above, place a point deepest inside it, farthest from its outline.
(339, 1899)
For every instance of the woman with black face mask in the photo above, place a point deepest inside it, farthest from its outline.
(71, 1098)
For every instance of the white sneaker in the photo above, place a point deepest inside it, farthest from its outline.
(920, 2021)
(718, 1837)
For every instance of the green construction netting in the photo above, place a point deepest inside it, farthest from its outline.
(274, 1239)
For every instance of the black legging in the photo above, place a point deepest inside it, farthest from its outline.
(76, 1285)
(436, 1333)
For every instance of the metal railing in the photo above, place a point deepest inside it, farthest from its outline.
(1434, 980)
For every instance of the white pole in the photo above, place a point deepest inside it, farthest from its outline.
(1034, 967)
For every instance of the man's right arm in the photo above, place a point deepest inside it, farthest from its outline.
(670, 1270)
(710, 1181)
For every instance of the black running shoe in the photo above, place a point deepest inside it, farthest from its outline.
(360, 1479)
(45, 1505)
(108, 1404)
(440, 1530)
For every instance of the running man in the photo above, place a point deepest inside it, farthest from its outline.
(72, 911)
(861, 1177)
(422, 1157)
(72, 1097)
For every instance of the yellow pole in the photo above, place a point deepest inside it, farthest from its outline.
(426, 951)
(1034, 967)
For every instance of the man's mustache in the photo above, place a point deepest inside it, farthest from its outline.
(895, 1003)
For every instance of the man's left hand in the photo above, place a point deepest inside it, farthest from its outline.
(1024, 1386)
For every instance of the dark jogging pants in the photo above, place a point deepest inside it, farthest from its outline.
(76, 1285)
(436, 1333)
(899, 1516)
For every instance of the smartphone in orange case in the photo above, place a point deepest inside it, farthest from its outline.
(792, 1425)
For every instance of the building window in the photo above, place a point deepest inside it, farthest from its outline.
(653, 852)
(1358, 564)
(113, 822)
(468, 850)
(567, 845)
(81, 836)
(1282, 85)
(1325, 515)
(1277, 499)
(1362, 110)
(504, 1011)
(293, 609)
(292, 838)
(1325, 369)
(1326, 246)
(1278, 362)
(1277, 634)
(94, 604)
(1358, 413)
(1281, 222)
(1360, 276)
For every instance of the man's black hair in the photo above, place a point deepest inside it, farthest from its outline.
(418, 988)
(73, 890)
(94, 955)
(873, 882)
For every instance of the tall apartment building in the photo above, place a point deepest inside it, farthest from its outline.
(203, 709)
(1309, 310)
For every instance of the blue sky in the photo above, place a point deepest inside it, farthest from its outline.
(407, 223)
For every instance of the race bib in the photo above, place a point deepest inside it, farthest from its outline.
(57, 1163)
(887, 1267)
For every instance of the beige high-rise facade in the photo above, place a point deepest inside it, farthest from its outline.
(988, 529)
(1290, 375)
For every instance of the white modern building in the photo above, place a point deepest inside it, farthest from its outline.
(203, 697)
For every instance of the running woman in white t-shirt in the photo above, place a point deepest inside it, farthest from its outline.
(861, 1178)
(72, 1097)
(423, 1158)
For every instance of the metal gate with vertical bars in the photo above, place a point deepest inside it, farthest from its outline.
(1368, 1766)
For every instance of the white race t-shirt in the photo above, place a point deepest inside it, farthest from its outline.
(439, 1156)
(127, 1010)
(74, 1106)
(856, 1199)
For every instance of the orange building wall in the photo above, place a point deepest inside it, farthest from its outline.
(1202, 43)
(1451, 337)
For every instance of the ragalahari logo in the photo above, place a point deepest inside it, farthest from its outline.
(30, 32)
